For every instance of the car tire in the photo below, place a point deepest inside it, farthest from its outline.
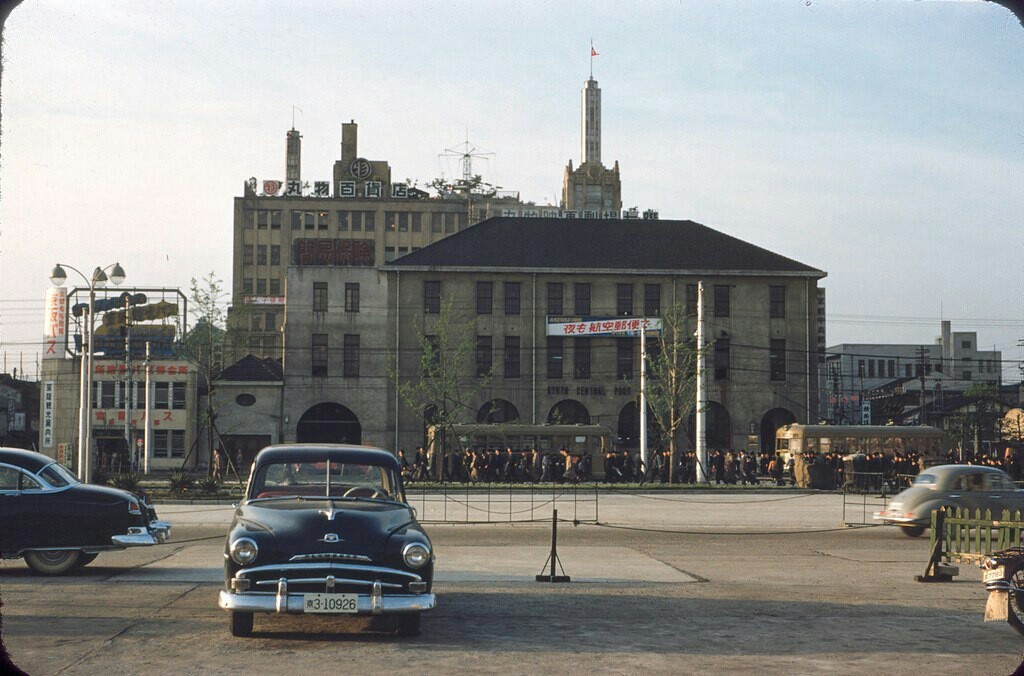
(53, 561)
(912, 531)
(407, 625)
(241, 624)
(1015, 614)
(85, 559)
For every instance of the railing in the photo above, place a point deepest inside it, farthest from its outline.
(505, 503)
(958, 537)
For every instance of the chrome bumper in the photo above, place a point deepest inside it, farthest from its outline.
(899, 520)
(369, 604)
(157, 532)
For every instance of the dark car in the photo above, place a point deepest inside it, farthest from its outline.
(60, 524)
(327, 529)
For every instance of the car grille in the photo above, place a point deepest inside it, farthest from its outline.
(327, 576)
(329, 556)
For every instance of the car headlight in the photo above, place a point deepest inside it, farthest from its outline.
(416, 555)
(244, 551)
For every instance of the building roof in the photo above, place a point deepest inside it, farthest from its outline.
(251, 368)
(599, 244)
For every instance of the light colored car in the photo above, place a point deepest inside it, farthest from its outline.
(965, 486)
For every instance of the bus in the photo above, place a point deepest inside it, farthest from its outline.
(851, 439)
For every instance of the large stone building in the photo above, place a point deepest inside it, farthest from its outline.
(358, 215)
(349, 326)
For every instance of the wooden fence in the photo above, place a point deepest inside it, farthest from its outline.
(959, 537)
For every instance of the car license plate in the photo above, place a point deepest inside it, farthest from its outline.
(994, 574)
(330, 603)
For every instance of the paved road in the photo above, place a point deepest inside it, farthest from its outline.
(737, 592)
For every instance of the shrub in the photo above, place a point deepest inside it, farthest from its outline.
(127, 481)
(208, 485)
(181, 482)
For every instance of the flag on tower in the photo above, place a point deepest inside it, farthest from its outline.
(593, 52)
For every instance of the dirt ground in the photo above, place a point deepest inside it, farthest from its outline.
(711, 600)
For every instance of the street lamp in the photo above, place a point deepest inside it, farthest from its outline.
(97, 280)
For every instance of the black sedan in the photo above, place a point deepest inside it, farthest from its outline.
(60, 524)
(327, 529)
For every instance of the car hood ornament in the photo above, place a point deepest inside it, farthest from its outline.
(330, 537)
(329, 513)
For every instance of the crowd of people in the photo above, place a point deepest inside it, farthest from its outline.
(724, 467)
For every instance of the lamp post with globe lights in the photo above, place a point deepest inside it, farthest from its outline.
(97, 280)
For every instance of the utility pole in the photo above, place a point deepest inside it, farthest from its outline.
(132, 459)
(922, 360)
(702, 393)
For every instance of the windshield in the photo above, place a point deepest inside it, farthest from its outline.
(316, 479)
(924, 480)
(58, 476)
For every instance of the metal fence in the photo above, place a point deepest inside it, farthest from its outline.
(505, 503)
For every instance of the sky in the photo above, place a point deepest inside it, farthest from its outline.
(882, 142)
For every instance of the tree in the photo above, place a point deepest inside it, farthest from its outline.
(208, 341)
(671, 387)
(447, 383)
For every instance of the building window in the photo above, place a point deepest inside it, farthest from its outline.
(389, 221)
(484, 297)
(581, 299)
(369, 221)
(435, 222)
(449, 222)
(403, 221)
(318, 365)
(270, 319)
(721, 300)
(309, 220)
(350, 357)
(342, 220)
(777, 302)
(261, 254)
(892, 368)
(965, 344)
(319, 296)
(389, 254)
(512, 294)
(722, 359)
(351, 297)
(871, 368)
(624, 358)
(247, 285)
(907, 370)
(417, 221)
(166, 396)
(511, 356)
(169, 443)
(777, 359)
(652, 300)
(247, 216)
(296, 220)
(247, 256)
(484, 355)
(624, 300)
(275, 219)
(261, 286)
(967, 375)
(555, 290)
(275, 254)
(262, 219)
(104, 395)
(432, 297)
(555, 357)
(692, 298)
(274, 288)
(581, 358)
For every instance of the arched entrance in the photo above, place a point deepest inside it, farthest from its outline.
(329, 423)
(569, 412)
(629, 427)
(719, 427)
(497, 411)
(770, 422)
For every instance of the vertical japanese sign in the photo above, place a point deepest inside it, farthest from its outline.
(47, 432)
(55, 312)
